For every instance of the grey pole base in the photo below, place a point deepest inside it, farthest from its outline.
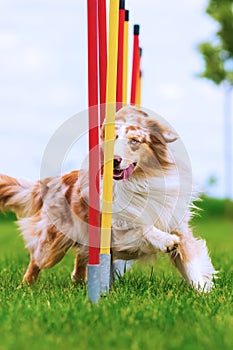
(93, 283)
(105, 268)
(120, 267)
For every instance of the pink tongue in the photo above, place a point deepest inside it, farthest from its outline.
(127, 172)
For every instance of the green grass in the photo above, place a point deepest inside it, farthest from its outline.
(149, 308)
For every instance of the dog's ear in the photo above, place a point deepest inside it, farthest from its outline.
(160, 134)
(170, 136)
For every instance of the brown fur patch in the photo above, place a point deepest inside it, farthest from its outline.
(37, 198)
(121, 118)
(149, 164)
(4, 179)
(137, 135)
(69, 180)
(44, 186)
(52, 233)
(56, 244)
(131, 128)
(125, 113)
(80, 206)
(158, 143)
(160, 154)
(7, 190)
(32, 273)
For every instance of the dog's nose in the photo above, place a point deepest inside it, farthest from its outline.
(117, 161)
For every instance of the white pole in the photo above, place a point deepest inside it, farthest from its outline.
(228, 145)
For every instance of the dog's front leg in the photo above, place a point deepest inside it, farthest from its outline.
(162, 241)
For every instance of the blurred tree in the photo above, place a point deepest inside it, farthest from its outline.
(218, 59)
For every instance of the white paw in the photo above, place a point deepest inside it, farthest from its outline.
(170, 243)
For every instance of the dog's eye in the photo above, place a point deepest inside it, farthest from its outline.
(133, 141)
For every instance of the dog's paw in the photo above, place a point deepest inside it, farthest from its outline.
(171, 243)
(163, 241)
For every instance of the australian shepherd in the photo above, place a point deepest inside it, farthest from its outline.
(151, 209)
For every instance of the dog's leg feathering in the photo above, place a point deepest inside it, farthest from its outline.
(193, 261)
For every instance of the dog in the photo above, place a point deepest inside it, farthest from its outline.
(151, 208)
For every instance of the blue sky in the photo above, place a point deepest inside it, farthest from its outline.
(43, 80)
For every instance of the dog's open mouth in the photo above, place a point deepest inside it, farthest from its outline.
(123, 174)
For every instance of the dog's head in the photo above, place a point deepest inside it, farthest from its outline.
(140, 145)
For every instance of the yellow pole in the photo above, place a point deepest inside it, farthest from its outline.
(139, 81)
(106, 221)
(139, 89)
(125, 65)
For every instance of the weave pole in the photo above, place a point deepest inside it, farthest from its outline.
(139, 80)
(125, 65)
(135, 65)
(106, 219)
(120, 60)
(94, 159)
(139, 89)
(102, 56)
(119, 265)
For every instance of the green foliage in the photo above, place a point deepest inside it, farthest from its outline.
(151, 307)
(222, 12)
(214, 69)
(213, 208)
(218, 55)
(9, 216)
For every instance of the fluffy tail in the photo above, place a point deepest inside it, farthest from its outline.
(20, 196)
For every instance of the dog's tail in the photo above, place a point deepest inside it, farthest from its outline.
(20, 196)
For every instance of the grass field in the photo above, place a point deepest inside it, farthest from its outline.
(149, 308)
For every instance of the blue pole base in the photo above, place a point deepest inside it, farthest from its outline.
(93, 282)
(105, 268)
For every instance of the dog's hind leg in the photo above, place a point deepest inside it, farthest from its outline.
(47, 246)
(46, 255)
(79, 273)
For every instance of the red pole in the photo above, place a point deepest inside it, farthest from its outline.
(94, 160)
(102, 56)
(135, 67)
(120, 60)
(125, 65)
